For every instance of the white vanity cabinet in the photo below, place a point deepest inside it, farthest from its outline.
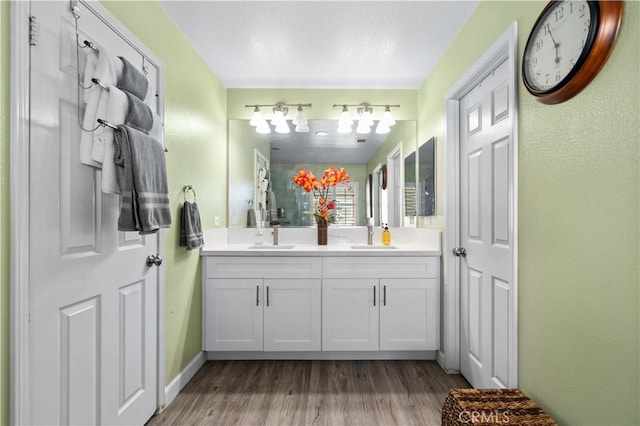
(380, 303)
(261, 303)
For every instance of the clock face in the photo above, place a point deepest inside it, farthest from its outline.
(559, 44)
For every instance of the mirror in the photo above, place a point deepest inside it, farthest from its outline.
(287, 153)
(410, 190)
(427, 178)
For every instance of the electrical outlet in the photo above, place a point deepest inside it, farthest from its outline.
(216, 221)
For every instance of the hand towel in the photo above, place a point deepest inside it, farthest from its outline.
(251, 218)
(106, 72)
(139, 114)
(133, 81)
(191, 229)
(144, 204)
(272, 210)
(116, 113)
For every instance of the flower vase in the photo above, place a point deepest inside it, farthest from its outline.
(322, 233)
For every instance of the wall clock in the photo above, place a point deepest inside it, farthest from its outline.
(568, 45)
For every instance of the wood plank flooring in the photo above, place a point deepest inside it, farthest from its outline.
(312, 393)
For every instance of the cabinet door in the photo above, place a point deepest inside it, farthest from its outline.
(292, 315)
(233, 314)
(350, 314)
(409, 314)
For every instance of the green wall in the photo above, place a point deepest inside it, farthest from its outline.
(578, 222)
(5, 235)
(196, 133)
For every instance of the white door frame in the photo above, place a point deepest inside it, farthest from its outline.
(19, 172)
(505, 48)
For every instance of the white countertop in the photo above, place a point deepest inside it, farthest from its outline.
(241, 242)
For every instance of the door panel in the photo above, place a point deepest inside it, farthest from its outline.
(292, 317)
(350, 317)
(486, 271)
(93, 300)
(407, 318)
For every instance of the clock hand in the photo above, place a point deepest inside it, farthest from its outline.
(556, 45)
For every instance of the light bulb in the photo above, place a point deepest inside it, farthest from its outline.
(382, 128)
(387, 118)
(366, 117)
(263, 127)
(282, 127)
(363, 127)
(300, 117)
(256, 117)
(278, 118)
(302, 127)
(345, 118)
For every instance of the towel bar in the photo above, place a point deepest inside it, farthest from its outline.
(107, 124)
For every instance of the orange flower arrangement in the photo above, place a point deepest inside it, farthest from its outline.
(320, 189)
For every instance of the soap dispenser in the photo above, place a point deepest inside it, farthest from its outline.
(386, 236)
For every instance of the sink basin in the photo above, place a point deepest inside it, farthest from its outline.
(271, 247)
(373, 247)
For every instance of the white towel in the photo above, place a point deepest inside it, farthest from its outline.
(107, 74)
(100, 135)
(89, 72)
(116, 114)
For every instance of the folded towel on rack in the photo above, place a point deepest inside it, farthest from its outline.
(132, 80)
(191, 228)
(106, 72)
(139, 114)
(272, 210)
(103, 145)
(142, 176)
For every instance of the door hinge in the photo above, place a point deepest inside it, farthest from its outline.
(33, 31)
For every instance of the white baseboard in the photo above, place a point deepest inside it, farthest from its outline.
(180, 381)
(322, 355)
(441, 362)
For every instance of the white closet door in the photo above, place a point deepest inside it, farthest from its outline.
(93, 299)
(486, 271)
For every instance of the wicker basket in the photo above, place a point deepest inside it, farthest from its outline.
(492, 407)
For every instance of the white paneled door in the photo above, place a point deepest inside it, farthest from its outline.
(93, 299)
(485, 199)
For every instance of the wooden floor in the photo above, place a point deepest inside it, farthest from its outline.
(312, 393)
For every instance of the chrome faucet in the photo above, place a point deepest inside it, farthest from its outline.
(369, 235)
(274, 232)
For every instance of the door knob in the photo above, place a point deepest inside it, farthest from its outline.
(460, 252)
(154, 259)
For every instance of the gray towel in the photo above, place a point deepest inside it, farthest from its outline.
(139, 115)
(132, 80)
(272, 214)
(191, 229)
(142, 176)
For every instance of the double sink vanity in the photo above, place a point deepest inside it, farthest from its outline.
(298, 300)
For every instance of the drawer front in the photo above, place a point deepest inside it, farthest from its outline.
(381, 267)
(262, 267)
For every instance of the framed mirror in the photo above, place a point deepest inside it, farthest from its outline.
(426, 187)
(315, 150)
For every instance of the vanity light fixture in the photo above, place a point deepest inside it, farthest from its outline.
(279, 121)
(365, 120)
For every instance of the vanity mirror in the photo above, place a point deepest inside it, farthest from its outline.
(321, 147)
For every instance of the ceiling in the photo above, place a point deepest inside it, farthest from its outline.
(320, 44)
